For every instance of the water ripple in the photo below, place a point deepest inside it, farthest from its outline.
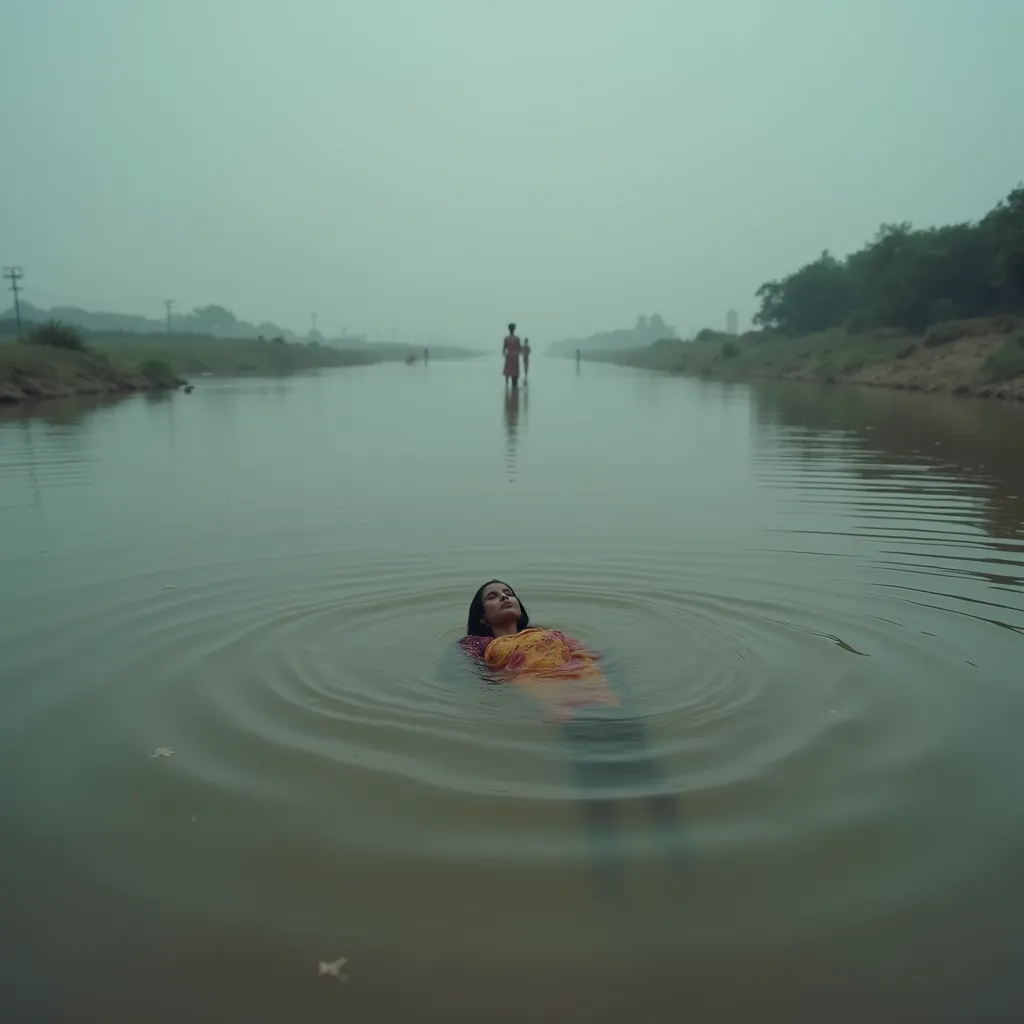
(803, 630)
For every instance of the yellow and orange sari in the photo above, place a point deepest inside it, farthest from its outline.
(557, 669)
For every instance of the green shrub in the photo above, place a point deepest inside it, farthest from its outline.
(1007, 361)
(943, 334)
(158, 373)
(730, 351)
(57, 335)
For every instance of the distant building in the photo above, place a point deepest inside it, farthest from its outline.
(732, 322)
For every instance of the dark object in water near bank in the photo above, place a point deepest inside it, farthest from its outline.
(189, 388)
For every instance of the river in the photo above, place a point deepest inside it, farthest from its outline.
(814, 598)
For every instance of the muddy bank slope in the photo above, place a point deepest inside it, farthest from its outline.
(984, 358)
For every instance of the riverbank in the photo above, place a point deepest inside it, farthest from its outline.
(108, 364)
(984, 358)
(34, 372)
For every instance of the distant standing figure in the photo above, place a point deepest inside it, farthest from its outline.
(426, 356)
(526, 359)
(511, 347)
(577, 357)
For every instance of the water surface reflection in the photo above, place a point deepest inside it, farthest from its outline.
(813, 599)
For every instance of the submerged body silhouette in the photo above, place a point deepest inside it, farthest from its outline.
(612, 760)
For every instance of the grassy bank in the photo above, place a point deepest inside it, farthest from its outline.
(36, 371)
(197, 353)
(106, 363)
(974, 357)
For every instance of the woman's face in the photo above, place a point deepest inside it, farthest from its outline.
(501, 606)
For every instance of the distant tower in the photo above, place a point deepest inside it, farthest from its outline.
(732, 322)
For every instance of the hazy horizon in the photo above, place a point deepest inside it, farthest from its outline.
(439, 169)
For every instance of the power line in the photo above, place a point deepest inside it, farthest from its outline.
(14, 275)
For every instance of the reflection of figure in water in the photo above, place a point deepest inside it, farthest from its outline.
(511, 413)
(526, 360)
(609, 747)
(511, 427)
(426, 356)
(511, 347)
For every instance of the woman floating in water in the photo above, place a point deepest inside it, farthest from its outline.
(565, 676)
(511, 347)
(499, 636)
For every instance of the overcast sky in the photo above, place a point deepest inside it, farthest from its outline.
(438, 167)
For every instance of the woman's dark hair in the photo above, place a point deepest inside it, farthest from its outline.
(476, 623)
(511, 330)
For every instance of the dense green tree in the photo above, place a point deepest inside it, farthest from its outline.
(907, 278)
(809, 300)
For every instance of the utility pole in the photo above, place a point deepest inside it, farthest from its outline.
(168, 303)
(14, 275)
(313, 315)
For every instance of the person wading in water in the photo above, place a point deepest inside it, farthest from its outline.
(511, 347)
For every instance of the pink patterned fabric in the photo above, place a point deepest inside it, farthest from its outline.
(475, 646)
(511, 348)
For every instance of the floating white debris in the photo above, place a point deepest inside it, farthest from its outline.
(333, 968)
(162, 752)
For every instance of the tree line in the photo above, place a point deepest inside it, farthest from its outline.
(907, 278)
